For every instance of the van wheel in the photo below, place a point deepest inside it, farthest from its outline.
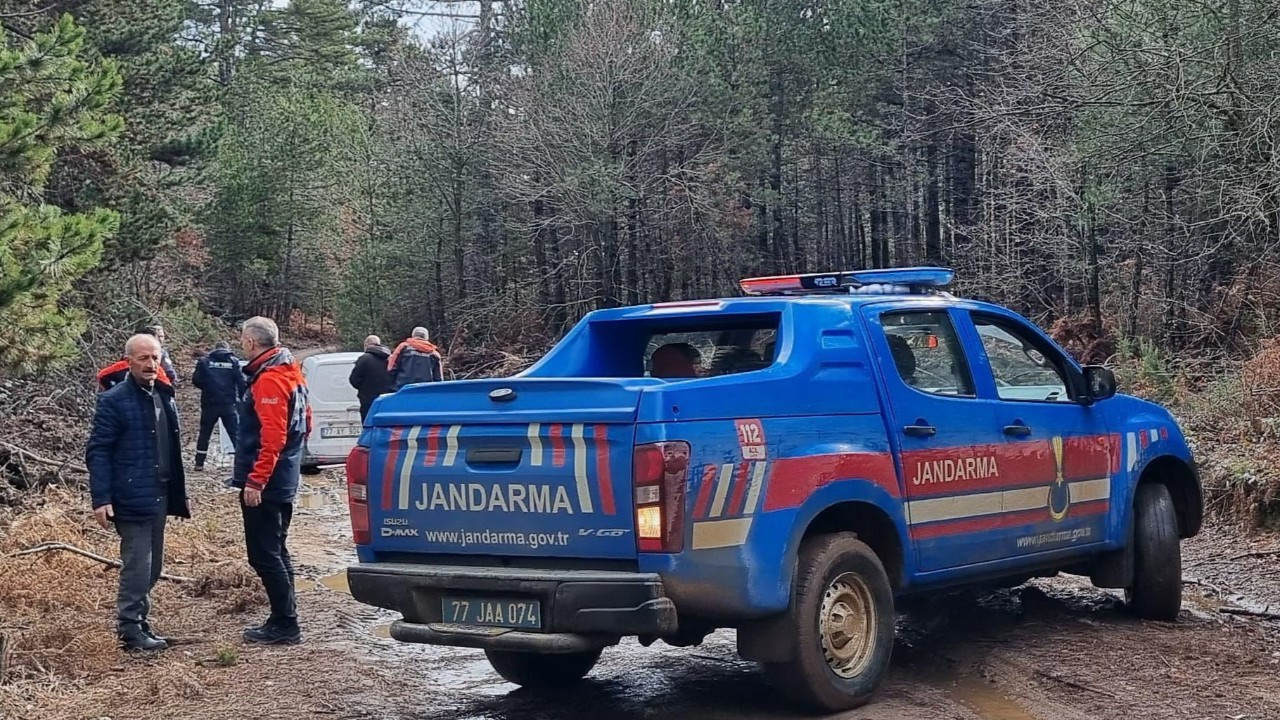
(1156, 592)
(542, 670)
(310, 469)
(842, 618)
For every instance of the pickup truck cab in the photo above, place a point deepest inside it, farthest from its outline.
(786, 464)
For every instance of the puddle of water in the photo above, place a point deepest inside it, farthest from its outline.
(985, 700)
(336, 582)
(312, 500)
(383, 631)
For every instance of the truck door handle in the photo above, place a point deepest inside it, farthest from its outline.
(920, 430)
(1017, 430)
(494, 456)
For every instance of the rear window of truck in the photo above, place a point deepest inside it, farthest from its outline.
(716, 349)
(671, 348)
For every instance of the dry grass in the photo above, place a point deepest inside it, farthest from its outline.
(58, 607)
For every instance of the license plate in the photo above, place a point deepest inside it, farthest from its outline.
(494, 612)
(340, 431)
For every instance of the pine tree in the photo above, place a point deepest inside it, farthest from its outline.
(51, 99)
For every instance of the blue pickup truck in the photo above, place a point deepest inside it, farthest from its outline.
(788, 464)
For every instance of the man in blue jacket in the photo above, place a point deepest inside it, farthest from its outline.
(134, 456)
(221, 383)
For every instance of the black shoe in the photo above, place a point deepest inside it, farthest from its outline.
(146, 630)
(197, 468)
(270, 634)
(135, 639)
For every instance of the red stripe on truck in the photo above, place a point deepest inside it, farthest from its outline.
(389, 470)
(793, 480)
(601, 435)
(433, 444)
(556, 432)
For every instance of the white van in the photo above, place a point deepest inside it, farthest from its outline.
(335, 410)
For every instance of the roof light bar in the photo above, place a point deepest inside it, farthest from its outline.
(896, 281)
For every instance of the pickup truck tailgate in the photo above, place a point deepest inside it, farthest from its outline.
(519, 476)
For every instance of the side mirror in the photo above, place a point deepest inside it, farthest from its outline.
(1100, 382)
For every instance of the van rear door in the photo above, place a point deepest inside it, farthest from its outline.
(335, 409)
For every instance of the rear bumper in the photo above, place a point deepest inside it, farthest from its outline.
(581, 609)
(311, 459)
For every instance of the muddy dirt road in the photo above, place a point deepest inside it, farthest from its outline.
(1052, 650)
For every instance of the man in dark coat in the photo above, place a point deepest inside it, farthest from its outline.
(275, 419)
(370, 376)
(416, 360)
(221, 384)
(134, 456)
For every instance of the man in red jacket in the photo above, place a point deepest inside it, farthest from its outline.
(275, 419)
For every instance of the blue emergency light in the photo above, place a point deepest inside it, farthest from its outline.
(893, 281)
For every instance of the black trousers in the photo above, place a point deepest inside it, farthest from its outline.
(209, 416)
(266, 531)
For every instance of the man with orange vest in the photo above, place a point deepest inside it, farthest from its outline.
(113, 374)
(416, 360)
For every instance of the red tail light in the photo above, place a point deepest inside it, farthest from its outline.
(658, 479)
(358, 493)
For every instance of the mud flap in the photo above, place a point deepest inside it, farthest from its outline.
(767, 641)
(1115, 569)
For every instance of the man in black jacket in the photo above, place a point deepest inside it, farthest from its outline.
(134, 456)
(221, 384)
(370, 377)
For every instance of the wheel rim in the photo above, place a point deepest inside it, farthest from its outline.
(847, 625)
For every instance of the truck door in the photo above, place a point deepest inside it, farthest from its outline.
(946, 435)
(1057, 454)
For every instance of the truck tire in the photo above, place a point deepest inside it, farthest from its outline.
(310, 469)
(842, 618)
(542, 670)
(1156, 592)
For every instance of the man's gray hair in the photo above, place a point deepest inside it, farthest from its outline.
(372, 341)
(263, 331)
(133, 342)
(421, 333)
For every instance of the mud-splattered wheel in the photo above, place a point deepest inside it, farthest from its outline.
(1156, 592)
(842, 619)
(540, 670)
(846, 623)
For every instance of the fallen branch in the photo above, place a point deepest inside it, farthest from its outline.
(1261, 553)
(1073, 684)
(75, 467)
(1249, 613)
(49, 547)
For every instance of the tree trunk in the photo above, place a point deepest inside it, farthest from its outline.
(932, 219)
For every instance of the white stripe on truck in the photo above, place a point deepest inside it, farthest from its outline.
(451, 454)
(580, 469)
(535, 444)
(407, 468)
